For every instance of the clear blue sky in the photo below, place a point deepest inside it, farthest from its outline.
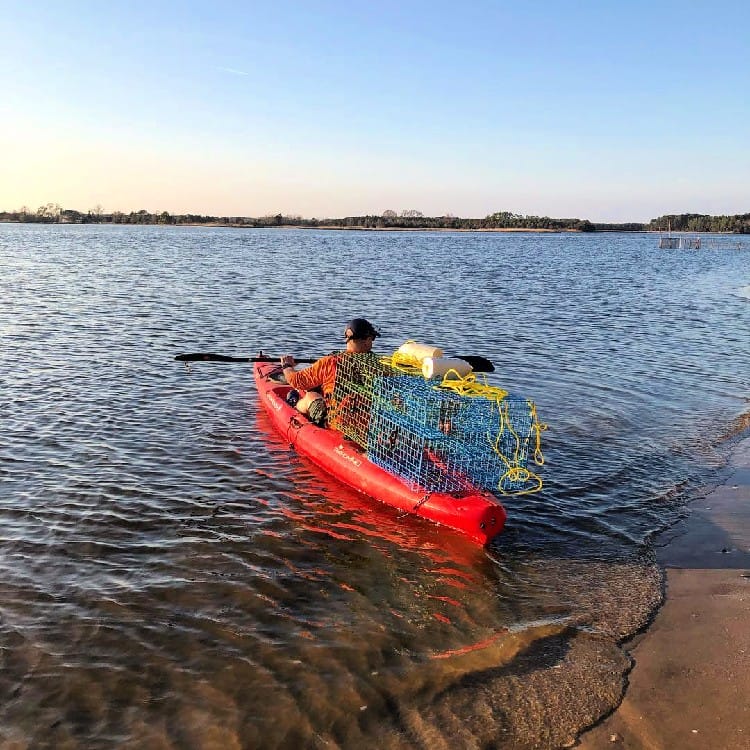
(600, 110)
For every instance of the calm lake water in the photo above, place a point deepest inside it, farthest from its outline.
(172, 576)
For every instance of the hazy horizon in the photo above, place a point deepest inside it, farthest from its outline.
(599, 112)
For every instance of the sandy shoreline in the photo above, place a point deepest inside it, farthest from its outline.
(690, 684)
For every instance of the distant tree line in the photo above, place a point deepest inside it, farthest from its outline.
(737, 223)
(408, 219)
(52, 213)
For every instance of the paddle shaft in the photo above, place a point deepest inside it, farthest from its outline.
(210, 357)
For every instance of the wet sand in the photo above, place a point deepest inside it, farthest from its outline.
(690, 682)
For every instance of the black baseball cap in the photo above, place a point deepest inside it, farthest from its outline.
(360, 328)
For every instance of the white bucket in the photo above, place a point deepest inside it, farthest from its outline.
(420, 351)
(436, 367)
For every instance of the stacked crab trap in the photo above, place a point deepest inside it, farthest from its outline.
(430, 422)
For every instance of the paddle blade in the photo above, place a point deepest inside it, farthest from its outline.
(478, 364)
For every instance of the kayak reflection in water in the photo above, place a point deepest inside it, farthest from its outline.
(315, 384)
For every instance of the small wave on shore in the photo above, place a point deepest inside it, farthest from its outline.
(739, 425)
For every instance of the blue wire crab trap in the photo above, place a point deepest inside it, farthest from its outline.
(441, 441)
(434, 438)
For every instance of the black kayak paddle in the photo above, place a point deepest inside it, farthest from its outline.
(478, 363)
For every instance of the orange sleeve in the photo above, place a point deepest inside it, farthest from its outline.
(322, 374)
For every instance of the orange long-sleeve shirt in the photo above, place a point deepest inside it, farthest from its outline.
(322, 374)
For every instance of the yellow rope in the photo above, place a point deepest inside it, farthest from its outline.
(468, 385)
(519, 474)
(406, 363)
(538, 428)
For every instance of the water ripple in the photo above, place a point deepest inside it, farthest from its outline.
(167, 559)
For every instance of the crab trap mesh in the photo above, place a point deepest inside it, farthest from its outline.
(433, 438)
(445, 442)
(352, 401)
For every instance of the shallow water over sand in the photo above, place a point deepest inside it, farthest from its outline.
(174, 576)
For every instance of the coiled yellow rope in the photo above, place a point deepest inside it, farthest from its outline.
(468, 385)
(405, 363)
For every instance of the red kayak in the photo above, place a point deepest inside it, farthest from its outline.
(474, 512)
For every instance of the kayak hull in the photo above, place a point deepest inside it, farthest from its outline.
(474, 513)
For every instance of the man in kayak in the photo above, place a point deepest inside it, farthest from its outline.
(318, 380)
